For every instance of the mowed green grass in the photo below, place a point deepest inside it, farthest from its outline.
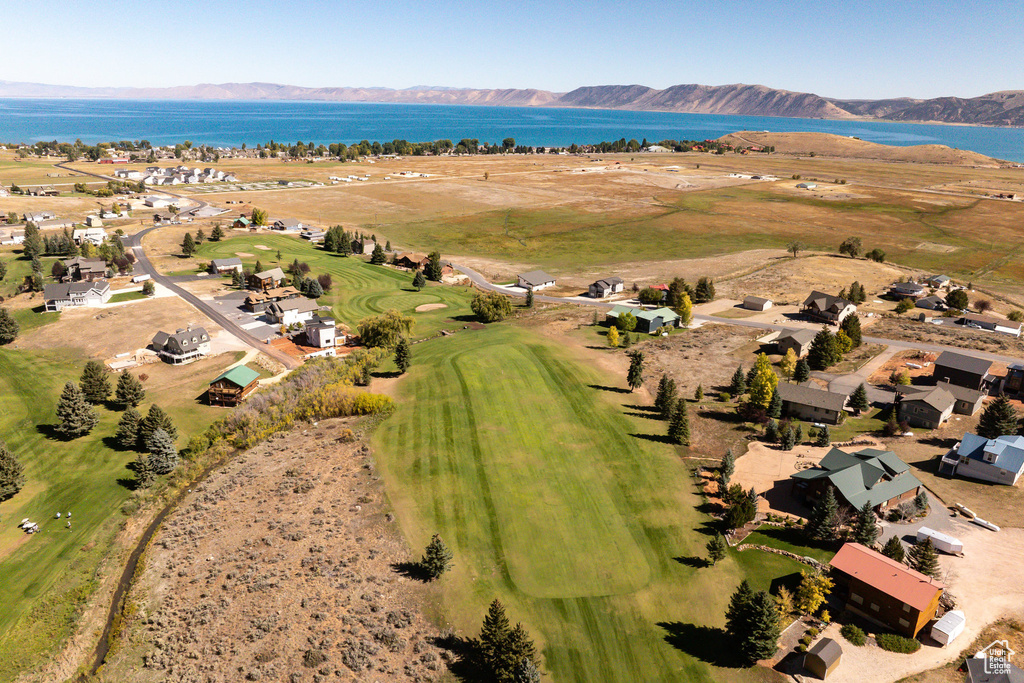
(359, 289)
(530, 468)
(46, 577)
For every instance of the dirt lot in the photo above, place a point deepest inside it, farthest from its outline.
(949, 335)
(281, 566)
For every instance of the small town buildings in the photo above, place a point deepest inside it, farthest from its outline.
(81, 269)
(806, 186)
(878, 478)
(363, 246)
(798, 340)
(288, 224)
(757, 303)
(41, 191)
(535, 279)
(808, 402)
(313, 234)
(97, 221)
(824, 658)
(155, 202)
(884, 591)
(257, 302)
(907, 290)
(1013, 383)
(999, 460)
(227, 265)
(937, 281)
(827, 308)
(606, 287)
(232, 386)
(38, 217)
(990, 323)
(129, 174)
(963, 370)
(930, 407)
(94, 236)
(267, 279)
(292, 311)
(75, 294)
(9, 237)
(931, 303)
(321, 332)
(182, 346)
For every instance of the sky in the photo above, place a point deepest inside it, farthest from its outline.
(849, 49)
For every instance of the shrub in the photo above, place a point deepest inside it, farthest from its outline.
(724, 397)
(812, 632)
(853, 634)
(895, 643)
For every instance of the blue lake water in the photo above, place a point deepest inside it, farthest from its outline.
(231, 123)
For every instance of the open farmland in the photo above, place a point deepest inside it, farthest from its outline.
(525, 461)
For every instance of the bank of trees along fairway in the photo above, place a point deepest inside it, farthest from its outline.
(535, 473)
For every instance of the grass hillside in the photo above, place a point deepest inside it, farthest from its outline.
(562, 502)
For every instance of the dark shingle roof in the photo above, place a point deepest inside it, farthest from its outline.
(959, 361)
(827, 650)
(536, 277)
(802, 337)
(808, 396)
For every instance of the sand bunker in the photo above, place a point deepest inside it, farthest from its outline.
(243, 254)
(262, 246)
(429, 307)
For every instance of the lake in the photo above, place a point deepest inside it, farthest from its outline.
(231, 123)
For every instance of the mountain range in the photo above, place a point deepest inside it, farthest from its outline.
(1004, 108)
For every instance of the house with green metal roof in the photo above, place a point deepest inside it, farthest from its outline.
(648, 321)
(878, 478)
(232, 386)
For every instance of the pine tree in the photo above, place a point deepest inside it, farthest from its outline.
(433, 268)
(144, 475)
(727, 468)
(9, 327)
(12, 474)
(76, 416)
(127, 434)
(258, 268)
(403, 356)
(679, 425)
(865, 528)
(493, 640)
(798, 434)
(894, 549)
(716, 549)
(821, 525)
(635, 375)
(662, 397)
(738, 385)
(237, 279)
(775, 405)
(129, 391)
(94, 383)
(200, 236)
(627, 340)
(851, 326)
(802, 372)
(418, 281)
(188, 245)
(387, 247)
(823, 353)
(155, 419)
(437, 559)
(771, 431)
(787, 439)
(527, 672)
(999, 418)
(859, 399)
(518, 648)
(923, 558)
(218, 233)
(163, 455)
(529, 298)
(761, 637)
(314, 290)
(824, 437)
(378, 257)
(698, 395)
(737, 614)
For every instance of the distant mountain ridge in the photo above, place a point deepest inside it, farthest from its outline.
(1005, 108)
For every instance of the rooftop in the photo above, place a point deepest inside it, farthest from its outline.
(240, 375)
(536, 277)
(868, 476)
(959, 361)
(809, 396)
(1008, 451)
(889, 576)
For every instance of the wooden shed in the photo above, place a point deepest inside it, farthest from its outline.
(232, 386)
(822, 659)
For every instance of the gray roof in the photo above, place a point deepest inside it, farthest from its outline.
(939, 398)
(937, 278)
(275, 273)
(288, 223)
(808, 396)
(180, 340)
(961, 393)
(608, 282)
(757, 300)
(931, 302)
(824, 302)
(959, 361)
(1008, 450)
(827, 650)
(868, 476)
(536, 277)
(910, 288)
(800, 336)
(227, 262)
(63, 290)
(976, 673)
(300, 305)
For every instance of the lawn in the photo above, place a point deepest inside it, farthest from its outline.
(45, 578)
(561, 502)
(359, 289)
(126, 296)
(790, 539)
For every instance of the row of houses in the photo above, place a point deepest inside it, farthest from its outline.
(175, 175)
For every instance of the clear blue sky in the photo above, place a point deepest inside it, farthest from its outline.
(853, 48)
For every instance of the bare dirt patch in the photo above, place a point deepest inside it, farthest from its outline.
(422, 308)
(281, 566)
(949, 335)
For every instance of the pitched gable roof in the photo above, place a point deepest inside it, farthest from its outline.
(809, 396)
(536, 277)
(1008, 450)
(800, 336)
(824, 302)
(959, 361)
(939, 398)
(241, 376)
(886, 575)
(868, 476)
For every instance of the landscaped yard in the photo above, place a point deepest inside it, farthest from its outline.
(559, 501)
(792, 540)
(126, 296)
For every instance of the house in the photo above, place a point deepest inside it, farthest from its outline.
(871, 476)
(93, 236)
(154, 202)
(268, 279)
(39, 216)
(288, 224)
(72, 294)
(757, 303)
(321, 332)
(999, 460)
(1013, 383)
(931, 303)
(655, 319)
(937, 281)
(241, 222)
(990, 323)
(827, 308)
(798, 340)
(980, 671)
(41, 191)
(232, 386)
(822, 659)
(606, 287)
(535, 279)
(12, 237)
(257, 302)
(963, 370)
(930, 407)
(227, 265)
(81, 269)
(292, 311)
(56, 224)
(183, 346)
(96, 221)
(363, 246)
(807, 402)
(411, 260)
(805, 186)
(884, 591)
(907, 290)
(128, 174)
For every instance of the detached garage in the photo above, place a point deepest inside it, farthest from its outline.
(823, 658)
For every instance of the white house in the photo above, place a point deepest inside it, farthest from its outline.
(63, 295)
(999, 460)
(292, 311)
(184, 346)
(320, 332)
(535, 279)
(606, 287)
(93, 236)
(155, 202)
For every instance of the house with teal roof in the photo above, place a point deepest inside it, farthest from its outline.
(876, 477)
(232, 386)
(647, 321)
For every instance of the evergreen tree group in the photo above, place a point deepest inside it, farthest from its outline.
(665, 400)
(824, 351)
(923, 558)
(155, 419)
(851, 326)
(76, 417)
(502, 648)
(752, 621)
(704, 291)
